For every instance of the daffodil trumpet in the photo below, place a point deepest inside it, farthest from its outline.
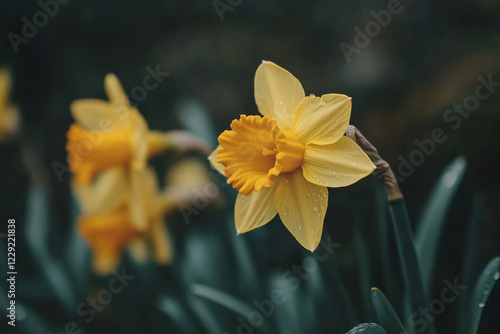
(283, 161)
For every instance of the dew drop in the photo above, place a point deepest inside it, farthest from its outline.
(315, 208)
(496, 276)
(481, 305)
(300, 227)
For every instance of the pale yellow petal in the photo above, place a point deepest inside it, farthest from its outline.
(336, 165)
(115, 92)
(103, 264)
(277, 93)
(5, 82)
(254, 210)
(140, 146)
(162, 245)
(107, 192)
(213, 161)
(144, 187)
(138, 248)
(302, 207)
(188, 172)
(94, 114)
(322, 120)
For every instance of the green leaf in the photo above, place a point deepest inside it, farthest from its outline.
(385, 313)
(484, 285)
(433, 217)
(408, 256)
(368, 328)
(175, 311)
(471, 253)
(222, 298)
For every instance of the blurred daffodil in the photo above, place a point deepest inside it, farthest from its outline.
(106, 223)
(284, 161)
(112, 133)
(107, 220)
(9, 116)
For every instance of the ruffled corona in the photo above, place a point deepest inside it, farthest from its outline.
(107, 234)
(256, 151)
(92, 152)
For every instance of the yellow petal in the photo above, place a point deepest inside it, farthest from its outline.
(254, 210)
(144, 188)
(94, 114)
(5, 82)
(108, 191)
(115, 92)
(302, 208)
(213, 161)
(103, 264)
(322, 120)
(336, 165)
(138, 248)
(140, 147)
(162, 245)
(277, 93)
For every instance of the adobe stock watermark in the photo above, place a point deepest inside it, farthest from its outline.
(372, 29)
(222, 6)
(95, 137)
(291, 279)
(97, 303)
(49, 9)
(425, 315)
(453, 116)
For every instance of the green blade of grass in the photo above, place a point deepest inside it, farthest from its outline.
(364, 268)
(484, 285)
(431, 222)
(367, 328)
(175, 311)
(470, 254)
(385, 313)
(408, 256)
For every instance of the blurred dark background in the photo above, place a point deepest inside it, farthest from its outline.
(425, 60)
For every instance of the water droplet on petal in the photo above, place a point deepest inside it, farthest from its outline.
(300, 227)
(496, 276)
(315, 208)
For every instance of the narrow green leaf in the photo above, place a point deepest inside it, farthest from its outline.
(385, 313)
(175, 311)
(431, 222)
(364, 272)
(222, 298)
(482, 290)
(367, 328)
(470, 254)
(408, 256)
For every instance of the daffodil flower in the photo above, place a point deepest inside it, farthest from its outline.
(107, 225)
(283, 162)
(9, 116)
(110, 134)
(107, 220)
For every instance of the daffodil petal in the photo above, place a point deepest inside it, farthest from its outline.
(322, 120)
(114, 91)
(254, 210)
(277, 93)
(336, 165)
(139, 140)
(302, 207)
(162, 245)
(138, 248)
(213, 161)
(5, 82)
(95, 114)
(144, 186)
(108, 191)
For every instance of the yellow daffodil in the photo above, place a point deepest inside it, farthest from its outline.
(284, 161)
(110, 134)
(106, 223)
(9, 116)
